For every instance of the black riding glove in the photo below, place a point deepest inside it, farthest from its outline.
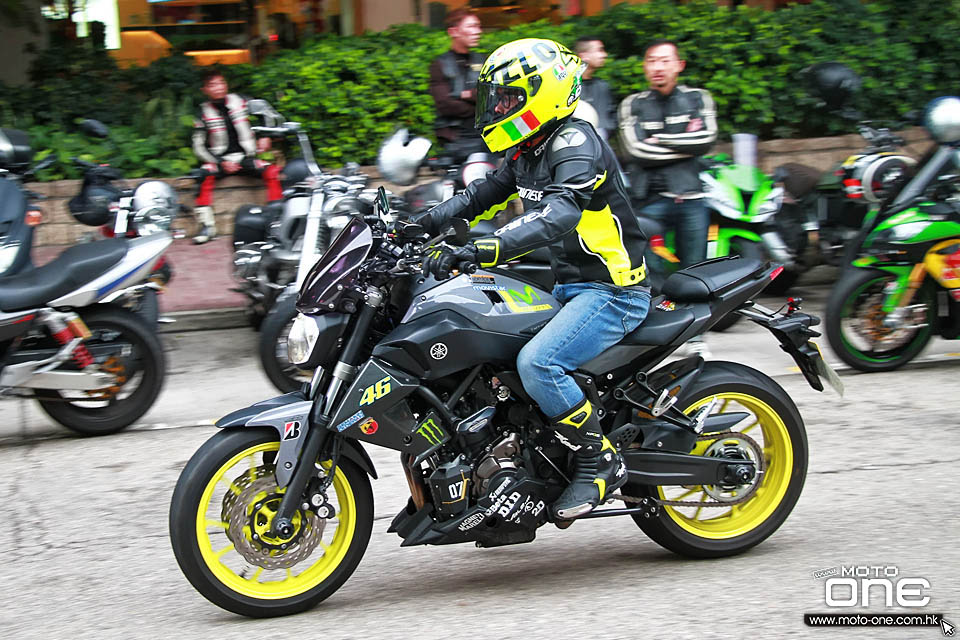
(442, 259)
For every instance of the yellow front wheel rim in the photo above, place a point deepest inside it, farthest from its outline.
(230, 567)
(768, 429)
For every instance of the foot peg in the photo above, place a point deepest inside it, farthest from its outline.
(664, 402)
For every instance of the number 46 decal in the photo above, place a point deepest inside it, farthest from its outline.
(375, 391)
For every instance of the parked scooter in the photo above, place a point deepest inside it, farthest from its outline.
(18, 215)
(106, 202)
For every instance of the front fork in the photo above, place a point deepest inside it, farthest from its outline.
(319, 436)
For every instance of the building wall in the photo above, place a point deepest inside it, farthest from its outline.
(13, 40)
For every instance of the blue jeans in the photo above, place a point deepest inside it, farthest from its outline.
(690, 221)
(594, 317)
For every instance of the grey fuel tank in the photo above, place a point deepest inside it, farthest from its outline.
(459, 323)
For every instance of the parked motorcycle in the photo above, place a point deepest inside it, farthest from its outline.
(277, 244)
(905, 286)
(273, 513)
(106, 202)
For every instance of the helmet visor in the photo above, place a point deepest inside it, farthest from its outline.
(496, 103)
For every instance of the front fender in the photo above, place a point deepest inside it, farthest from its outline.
(289, 414)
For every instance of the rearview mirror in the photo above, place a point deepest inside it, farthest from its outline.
(460, 228)
(383, 204)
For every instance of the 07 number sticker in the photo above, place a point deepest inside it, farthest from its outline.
(375, 391)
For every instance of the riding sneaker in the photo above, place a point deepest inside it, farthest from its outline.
(598, 468)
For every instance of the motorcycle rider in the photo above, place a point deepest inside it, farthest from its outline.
(575, 202)
(225, 144)
(453, 85)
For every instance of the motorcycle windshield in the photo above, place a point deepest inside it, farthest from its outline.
(338, 266)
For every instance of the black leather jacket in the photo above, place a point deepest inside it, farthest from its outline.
(451, 74)
(685, 125)
(574, 201)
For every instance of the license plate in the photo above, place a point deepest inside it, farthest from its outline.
(827, 372)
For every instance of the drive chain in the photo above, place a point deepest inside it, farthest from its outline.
(761, 468)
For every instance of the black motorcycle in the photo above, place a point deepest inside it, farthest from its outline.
(273, 513)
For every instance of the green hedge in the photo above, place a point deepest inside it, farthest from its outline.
(351, 92)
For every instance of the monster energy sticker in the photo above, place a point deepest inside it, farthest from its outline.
(432, 432)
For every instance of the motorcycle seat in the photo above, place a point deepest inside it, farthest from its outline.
(73, 268)
(660, 327)
(707, 280)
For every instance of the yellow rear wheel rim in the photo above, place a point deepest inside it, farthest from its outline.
(229, 566)
(768, 429)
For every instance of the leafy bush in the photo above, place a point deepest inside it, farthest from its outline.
(351, 92)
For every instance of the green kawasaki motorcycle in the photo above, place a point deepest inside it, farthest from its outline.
(905, 286)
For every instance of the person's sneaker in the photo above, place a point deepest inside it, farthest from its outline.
(204, 234)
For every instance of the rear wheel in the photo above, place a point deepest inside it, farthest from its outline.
(123, 345)
(855, 322)
(726, 520)
(746, 249)
(220, 521)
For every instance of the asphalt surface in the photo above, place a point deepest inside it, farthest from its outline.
(89, 554)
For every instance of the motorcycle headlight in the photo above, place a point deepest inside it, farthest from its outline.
(908, 230)
(302, 339)
(8, 254)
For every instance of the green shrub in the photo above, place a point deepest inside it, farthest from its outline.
(351, 92)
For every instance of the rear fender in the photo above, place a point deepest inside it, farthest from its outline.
(289, 414)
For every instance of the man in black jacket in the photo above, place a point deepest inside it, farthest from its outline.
(664, 130)
(576, 204)
(453, 85)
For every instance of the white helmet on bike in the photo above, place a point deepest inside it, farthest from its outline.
(942, 119)
(400, 158)
(155, 205)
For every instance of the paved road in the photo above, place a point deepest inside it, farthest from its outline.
(88, 552)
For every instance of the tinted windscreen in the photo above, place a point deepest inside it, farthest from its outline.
(338, 266)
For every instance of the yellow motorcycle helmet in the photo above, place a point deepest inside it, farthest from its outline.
(523, 86)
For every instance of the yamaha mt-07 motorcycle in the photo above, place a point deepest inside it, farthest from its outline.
(273, 513)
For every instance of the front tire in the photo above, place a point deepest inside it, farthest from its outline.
(226, 496)
(137, 359)
(274, 330)
(854, 320)
(775, 426)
